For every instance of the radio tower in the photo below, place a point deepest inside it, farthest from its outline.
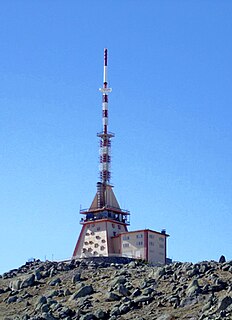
(104, 219)
(105, 139)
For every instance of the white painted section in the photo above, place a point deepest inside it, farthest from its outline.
(96, 238)
(105, 121)
(105, 74)
(104, 105)
(133, 244)
(156, 248)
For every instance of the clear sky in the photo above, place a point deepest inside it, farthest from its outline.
(170, 66)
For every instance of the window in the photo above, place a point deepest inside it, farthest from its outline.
(95, 253)
(84, 250)
(161, 246)
(86, 242)
(151, 236)
(140, 235)
(87, 234)
(102, 248)
(119, 227)
(125, 245)
(126, 238)
(98, 228)
(113, 225)
(161, 239)
(93, 225)
(90, 249)
(151, 243)
(98, 237)
(139, 243)
(92, 233)
(103, 240)
(96, 245)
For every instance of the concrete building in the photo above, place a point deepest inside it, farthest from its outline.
(104, 225)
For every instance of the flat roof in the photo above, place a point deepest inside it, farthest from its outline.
(137, 231)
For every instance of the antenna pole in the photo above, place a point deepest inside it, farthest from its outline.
(105, 136)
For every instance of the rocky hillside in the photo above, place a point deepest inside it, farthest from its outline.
(102, 289)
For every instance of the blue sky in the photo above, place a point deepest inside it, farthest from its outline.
(170, 69)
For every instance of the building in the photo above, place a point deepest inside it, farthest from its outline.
(104, 225)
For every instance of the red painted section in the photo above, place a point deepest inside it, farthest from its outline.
(136, 231)
(165, 244)
(105, 57)
(107, 239)
(146, 244)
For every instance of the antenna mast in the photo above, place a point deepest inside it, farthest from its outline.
(105, 136)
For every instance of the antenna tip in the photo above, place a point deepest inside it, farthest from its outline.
(105, 56)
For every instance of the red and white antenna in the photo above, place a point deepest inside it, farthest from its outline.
(105, 136)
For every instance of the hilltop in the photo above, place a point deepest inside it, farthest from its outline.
(116, 289)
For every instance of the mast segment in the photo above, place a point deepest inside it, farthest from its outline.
(105, 136)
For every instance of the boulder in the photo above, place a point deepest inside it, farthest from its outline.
(224, 303)
(88, 316)
(124, 308)
(118, 280)
(55, 282)
(111, 296)
(82, 292)
(28, 282)
(15, 285)
(142, 298)
(222, 259)
(12, 299)
(193, 288)
(76, 278)
(123, 290)
(100, 314)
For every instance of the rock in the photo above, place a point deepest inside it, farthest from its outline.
(224, 303)
(111, 296)
(76, 278)
(193, 288)
(222, 259)
(123, 290)
(53, 293)
(137, 292)
(118, 280)
(65, 312)
(166, 317)
(67, 292)
(157, 273)
(82, 292)
(47, 316)
(42, 300)
(115, 311)
(44, 308)
(142, 298)
(12, 299)
(89, 316)
(15, 285)
(188, 301)
(148, 291)
(28, 282)
(55, 282)
(100, 314)
(124, 308)
(38, 275)
(207, 306)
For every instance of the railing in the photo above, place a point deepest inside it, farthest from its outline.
(119, 210)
